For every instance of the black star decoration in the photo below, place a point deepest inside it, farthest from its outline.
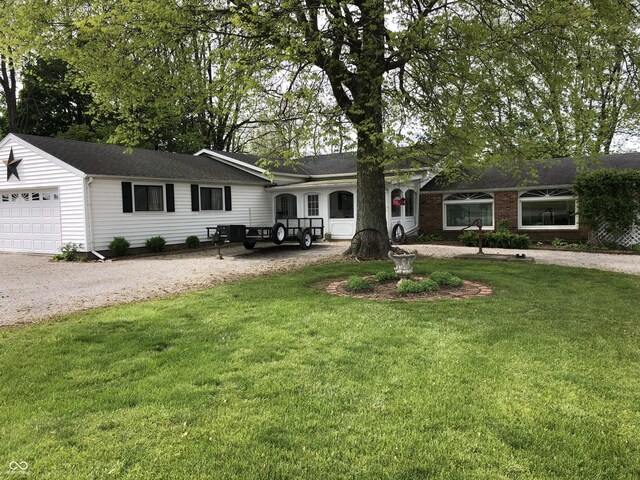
(12, 166)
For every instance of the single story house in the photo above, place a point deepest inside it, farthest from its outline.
(543, 206)
(325, 186)
(55, 191)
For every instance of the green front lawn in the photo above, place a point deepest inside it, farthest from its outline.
(269, 378)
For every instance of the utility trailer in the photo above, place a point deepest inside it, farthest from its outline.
(302, 230)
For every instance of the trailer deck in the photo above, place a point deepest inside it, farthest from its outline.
(303, 230)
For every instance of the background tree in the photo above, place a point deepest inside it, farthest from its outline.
(49, 102)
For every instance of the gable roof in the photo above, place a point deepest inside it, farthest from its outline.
(332, 164)
(552, 172)
(114, 160)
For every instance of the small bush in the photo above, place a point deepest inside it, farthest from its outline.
(119, 246)
(156, 244)
(503, 225)
(411, 286)
(635, 248)
(426, 238)
(358, 284)
(385, 277)
(192, 241)
(469, 238)
(429, 285)
(446, 278)
(560, 243)
(69, 252)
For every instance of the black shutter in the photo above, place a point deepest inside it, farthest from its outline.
(227, 198)
(195, 198)
(171, 202)
(127, 198)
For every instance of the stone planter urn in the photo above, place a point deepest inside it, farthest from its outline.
(403, 262)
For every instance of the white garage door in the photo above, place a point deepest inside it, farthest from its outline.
(30, 221)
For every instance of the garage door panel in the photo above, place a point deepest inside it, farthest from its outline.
(30, 221)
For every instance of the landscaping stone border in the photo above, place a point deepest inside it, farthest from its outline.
(469, 290)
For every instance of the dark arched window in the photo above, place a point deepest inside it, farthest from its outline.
(341, 205)
(286, 206)
(396, 207)
(409, 207)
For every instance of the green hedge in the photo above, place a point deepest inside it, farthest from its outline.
(610, 196)
(498, 239)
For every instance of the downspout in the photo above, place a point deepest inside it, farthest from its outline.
(88, 210)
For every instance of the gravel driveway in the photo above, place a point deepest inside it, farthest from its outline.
(32, 287)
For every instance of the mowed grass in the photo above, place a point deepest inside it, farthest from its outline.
(271, 378)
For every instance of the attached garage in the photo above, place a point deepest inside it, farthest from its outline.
(54, 192)
(41, 200)
(30, 221)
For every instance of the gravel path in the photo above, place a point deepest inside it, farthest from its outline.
(33, 288)
(601, 261)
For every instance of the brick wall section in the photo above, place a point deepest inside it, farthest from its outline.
(505, 206)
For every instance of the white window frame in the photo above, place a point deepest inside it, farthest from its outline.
(401, 207)
(545, 199)
(445, 203)
(414, 197)
(275, 205)
(306, 204)
(149, 184)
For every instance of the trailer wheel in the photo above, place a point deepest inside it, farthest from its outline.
(306, 240)
(397, 234)
(249, 244)
(278, 233)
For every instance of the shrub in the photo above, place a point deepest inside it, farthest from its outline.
(504, 239)
(560, 243)
(446, 278)
(610, 197)
(429, 285)
(635, 248)
(411, 286)
(385, 276)
(469, 238)
(427, 238)
(192, 241)
(156, 244)
(499, 239)
(358, 284)
(119, 246)
(503, 225)
(69, 252)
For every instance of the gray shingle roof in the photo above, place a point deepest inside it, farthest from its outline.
(318, 165)
(101, 159)
(553, 172)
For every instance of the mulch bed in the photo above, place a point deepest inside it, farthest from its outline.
(387, 291)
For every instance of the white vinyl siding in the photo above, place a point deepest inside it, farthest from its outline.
(251, 205)
(39, 173)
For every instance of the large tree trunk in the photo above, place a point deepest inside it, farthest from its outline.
(371, 240)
